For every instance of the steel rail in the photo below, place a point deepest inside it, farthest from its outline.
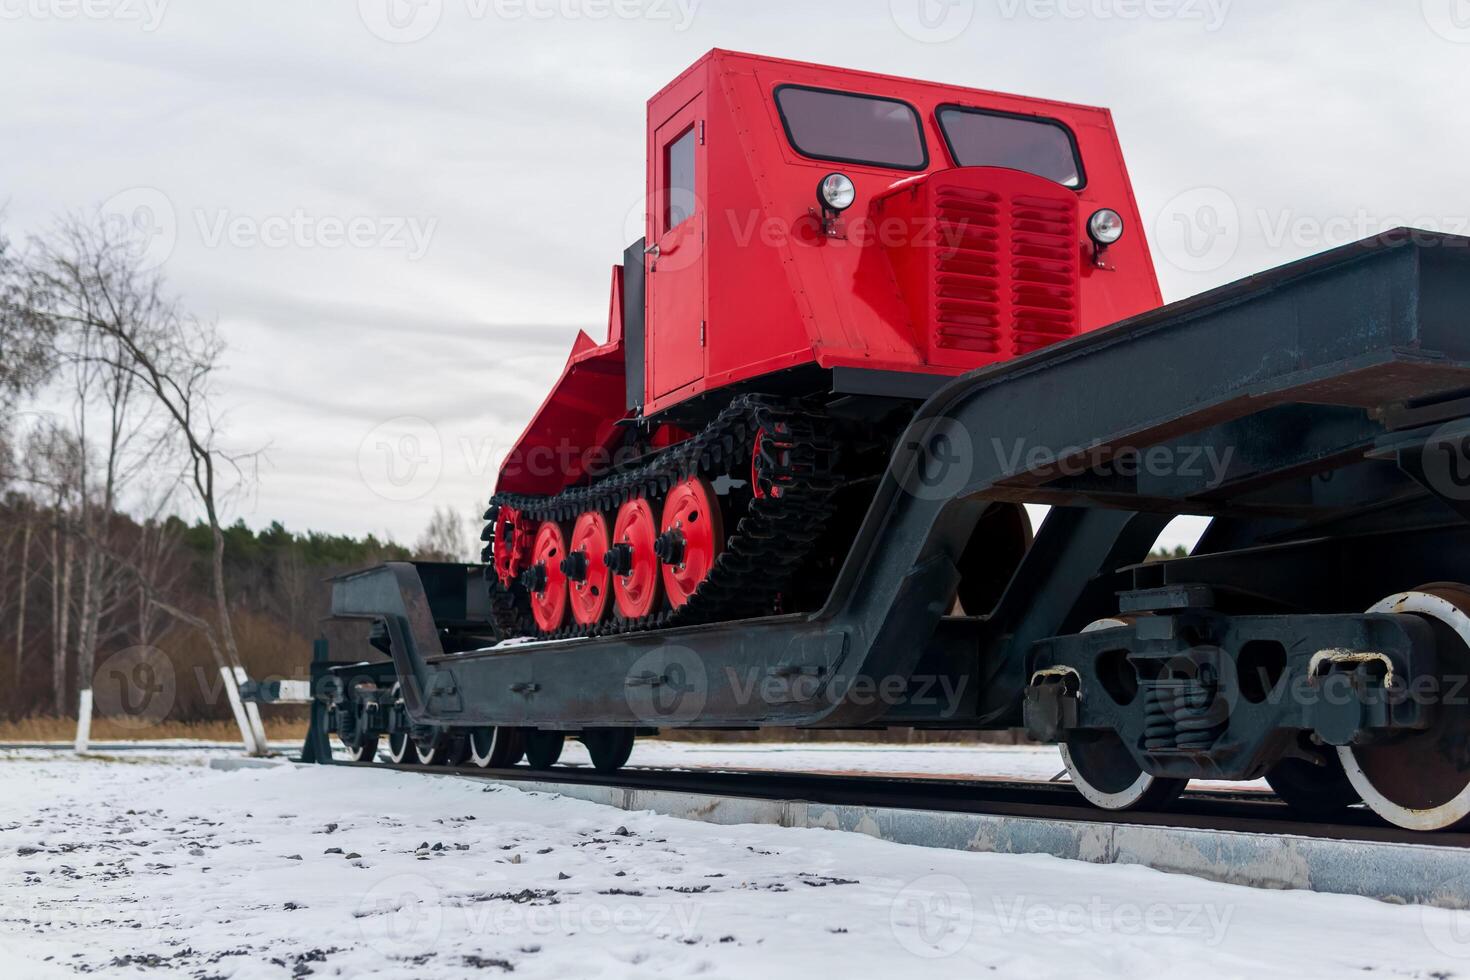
(1223, 811)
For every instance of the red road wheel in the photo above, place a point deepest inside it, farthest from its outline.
(774, 449)
(549, 585)
(693, 537)
(637, 588)
(587, 573)
(756, 486)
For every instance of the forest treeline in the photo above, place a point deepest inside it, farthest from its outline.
(124, 580)
(278, 595)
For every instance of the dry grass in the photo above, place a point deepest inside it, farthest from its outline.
(109, 730)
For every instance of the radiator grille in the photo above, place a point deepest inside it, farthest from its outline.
(992, 267)
(994, 257)
(1043, 272)
(968, 262)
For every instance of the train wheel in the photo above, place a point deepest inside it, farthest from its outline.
(608, 747)
(498, 747)
(543, 749)
(1316, 790)
(400, 749)
(436, 747)
(637, 586)
(400, 746)
(549, 582)
(1103, 770)
(360, 746)
(586, 569)
(363, 749)
(693, 535)
(1421, 781)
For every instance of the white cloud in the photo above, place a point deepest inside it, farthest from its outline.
(521, 139)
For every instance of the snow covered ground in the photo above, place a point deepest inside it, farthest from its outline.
(1038, 763)
(1027, 762)
(154, 866)
(954, 761)
(1035, 763)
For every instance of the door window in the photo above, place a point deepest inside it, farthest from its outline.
(679, 165)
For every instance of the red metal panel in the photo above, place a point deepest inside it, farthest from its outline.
(579, 417)
(676, 266)
(780, 291)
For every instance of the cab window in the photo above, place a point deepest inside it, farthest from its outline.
(848, 128)
(1043, 147)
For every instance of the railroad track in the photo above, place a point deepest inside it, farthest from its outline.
(1256, 814)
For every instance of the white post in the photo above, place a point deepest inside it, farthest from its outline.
(247, 731)
(84, 720)
(252, 715)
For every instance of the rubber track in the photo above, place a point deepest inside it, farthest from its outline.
(767, 546)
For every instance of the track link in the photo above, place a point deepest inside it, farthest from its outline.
(773, 536)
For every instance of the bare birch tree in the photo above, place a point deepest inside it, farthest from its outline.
(88, 280)
(50, 468)
(23, 572)
(444, 539)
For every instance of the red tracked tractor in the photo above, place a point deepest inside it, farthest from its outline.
(872, 319)
(824, 249)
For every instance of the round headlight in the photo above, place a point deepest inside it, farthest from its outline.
(836, 192)
(1105, 227)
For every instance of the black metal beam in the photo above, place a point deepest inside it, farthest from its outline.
(1365, 327)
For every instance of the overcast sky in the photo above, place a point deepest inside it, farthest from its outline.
(406, 208)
